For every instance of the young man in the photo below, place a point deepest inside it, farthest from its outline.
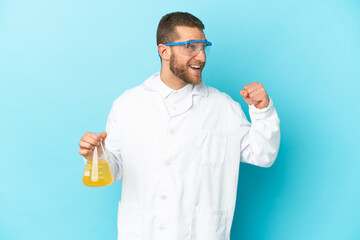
(177, 144)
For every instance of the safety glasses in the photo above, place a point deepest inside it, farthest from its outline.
(192, 48)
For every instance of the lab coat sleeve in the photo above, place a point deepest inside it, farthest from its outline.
(112, 141)
(261, 139)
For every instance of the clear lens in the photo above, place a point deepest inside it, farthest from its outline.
(193, 48)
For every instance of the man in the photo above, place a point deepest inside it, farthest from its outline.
(177, 144)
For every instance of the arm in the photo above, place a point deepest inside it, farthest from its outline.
(111, 137)
(261, 140)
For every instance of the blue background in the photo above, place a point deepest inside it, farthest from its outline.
(63, 63)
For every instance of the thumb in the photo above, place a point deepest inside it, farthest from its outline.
(244, 93)
(103, 135)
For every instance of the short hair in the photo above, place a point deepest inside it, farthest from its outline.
(166, 32)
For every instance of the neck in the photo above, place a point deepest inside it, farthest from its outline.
(171, 80)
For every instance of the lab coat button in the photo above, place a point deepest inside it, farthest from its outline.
(172, 131)
(163, 196)
(162, 227)
(167, 163)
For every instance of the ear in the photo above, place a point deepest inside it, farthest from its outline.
(164, 51)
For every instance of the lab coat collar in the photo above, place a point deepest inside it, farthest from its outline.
(200, 89)
(154, 82)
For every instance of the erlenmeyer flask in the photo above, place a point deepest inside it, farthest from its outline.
(97, 171)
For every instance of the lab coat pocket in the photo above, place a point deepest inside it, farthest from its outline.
(208, 224)
(129, 221)
(213, 148)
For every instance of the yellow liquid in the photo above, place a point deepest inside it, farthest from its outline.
(104, 178)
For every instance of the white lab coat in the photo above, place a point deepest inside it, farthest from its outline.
(179, 159)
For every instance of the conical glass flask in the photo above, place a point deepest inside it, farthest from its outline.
(97, 171)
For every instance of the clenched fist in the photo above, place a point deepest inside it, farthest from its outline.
(255, 94)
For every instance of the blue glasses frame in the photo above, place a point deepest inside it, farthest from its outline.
(184, 43)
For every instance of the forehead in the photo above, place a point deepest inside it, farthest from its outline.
(189, 33)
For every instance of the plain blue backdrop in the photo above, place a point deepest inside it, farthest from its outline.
(63, 63)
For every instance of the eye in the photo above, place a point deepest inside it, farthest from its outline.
(191, 46)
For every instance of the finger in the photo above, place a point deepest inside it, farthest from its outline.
(262, 104)
(84, 152)
(254, 87)
(250, 86)
(86, 145)
(92, 141)
(92, 135)
(259, 98)
(258, 91)
(260, 95)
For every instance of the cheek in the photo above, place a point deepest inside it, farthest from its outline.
(178, 59)
(188, 61)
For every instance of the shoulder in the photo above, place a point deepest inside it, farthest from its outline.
(223, 99)
(127, 94)
(138, 93)
(215, 94)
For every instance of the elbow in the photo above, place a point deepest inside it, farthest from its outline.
(267, 164)
(266, 160)
(272, 153)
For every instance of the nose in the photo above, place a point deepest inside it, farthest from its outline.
(200, 56)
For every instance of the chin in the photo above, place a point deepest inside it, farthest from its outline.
(193, 81)
(197, 81)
